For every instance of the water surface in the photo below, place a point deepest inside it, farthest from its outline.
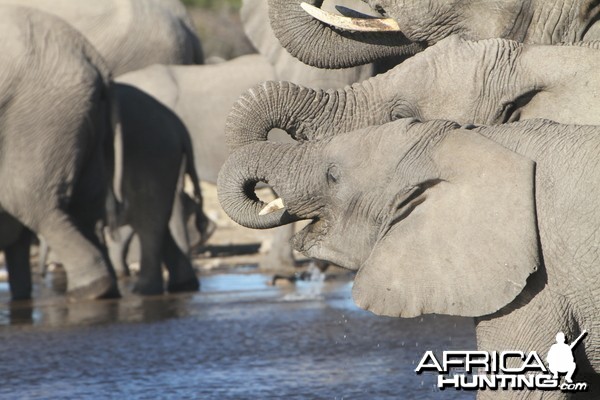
(237, 339)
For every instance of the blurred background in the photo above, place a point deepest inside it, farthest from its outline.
(219, 27)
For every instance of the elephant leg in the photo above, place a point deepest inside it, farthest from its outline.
(182, 277)
(177, 224)
(189, 225)
(43, 251)
(19, 268)
(118, 249)
(281, 256)
(150, 279)
(89, 273)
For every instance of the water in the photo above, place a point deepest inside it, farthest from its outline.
(237, 339)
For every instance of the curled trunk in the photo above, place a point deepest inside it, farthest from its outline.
(322, 46)
(260, 162)
(305, 114)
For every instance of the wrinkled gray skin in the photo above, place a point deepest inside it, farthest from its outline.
(424, 23)
(494, 223)
(157, 154)
(202, 97)
(254, 15)
(57, 150)
(130, 34)
(485, 82)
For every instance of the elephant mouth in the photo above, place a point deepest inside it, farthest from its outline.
(308, 239)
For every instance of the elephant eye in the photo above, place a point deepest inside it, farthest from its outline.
(403, 109)
(333, 174)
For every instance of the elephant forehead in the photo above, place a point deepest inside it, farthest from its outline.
(363, 143)
(368, 159)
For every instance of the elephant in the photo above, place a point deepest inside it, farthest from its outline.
(490, 81)
(130, 34)
(157, 155)
(255, 20)
(202, 97)
(60, 145)
(414, 25)
(490, 222)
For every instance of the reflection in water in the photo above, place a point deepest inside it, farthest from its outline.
(237, 339)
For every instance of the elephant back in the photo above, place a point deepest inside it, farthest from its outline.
(129, 34)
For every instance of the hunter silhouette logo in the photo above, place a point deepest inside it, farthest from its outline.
(560, 356)
(512, 369)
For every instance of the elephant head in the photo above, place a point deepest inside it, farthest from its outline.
(436, 219)
(411, 25)
(485, 82)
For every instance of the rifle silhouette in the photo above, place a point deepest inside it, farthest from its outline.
(576, 341)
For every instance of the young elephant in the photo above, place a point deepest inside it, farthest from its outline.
(497, 223)
(157, 153)
(56, 135)
(485, 82)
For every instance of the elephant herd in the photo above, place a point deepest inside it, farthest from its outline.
(107, 111)
(445, 150)
(462, 181)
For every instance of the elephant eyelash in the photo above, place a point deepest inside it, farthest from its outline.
(403, 109)
(511, 111)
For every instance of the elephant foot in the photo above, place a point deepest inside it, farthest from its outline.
(104, 287)
(148, 289)
(191, 285)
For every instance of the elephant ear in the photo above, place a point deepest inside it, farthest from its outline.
(468, 248)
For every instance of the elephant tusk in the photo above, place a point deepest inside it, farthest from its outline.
(352, 24)
(273, 206)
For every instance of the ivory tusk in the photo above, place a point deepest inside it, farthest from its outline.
(273, 206)
(352, 24)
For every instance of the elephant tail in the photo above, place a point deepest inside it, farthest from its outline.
(204, 225)
(113, 147)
